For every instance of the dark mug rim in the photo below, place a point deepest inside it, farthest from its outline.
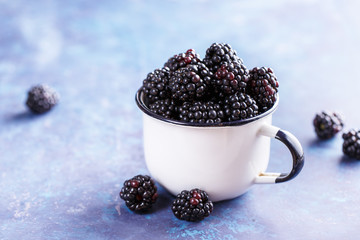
(139, 98)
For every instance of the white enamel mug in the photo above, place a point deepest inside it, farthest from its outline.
(223, 159)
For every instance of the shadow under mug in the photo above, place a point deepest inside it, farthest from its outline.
(223, 159)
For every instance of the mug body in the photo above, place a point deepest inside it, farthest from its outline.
(222, 160)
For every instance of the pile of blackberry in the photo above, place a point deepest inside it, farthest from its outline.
(218, 88)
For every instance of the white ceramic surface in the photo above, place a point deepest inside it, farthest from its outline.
(223, 161)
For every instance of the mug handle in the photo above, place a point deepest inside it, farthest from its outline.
(296, 151)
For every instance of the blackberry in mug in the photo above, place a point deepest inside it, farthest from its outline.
(190, 82)
(155, 85)
(182, 60)
(218, 54)
(263, 86)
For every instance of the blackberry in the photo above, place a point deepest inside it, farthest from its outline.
(193, 205)
(231, 78)
(155, 84)
(218, 54)
(351, 145)
(263, 86)
(182, 60)
(41, 98)
(164, 107)
(201, 112)
(190, 82)
(139, 193)
(327, 124)
(240, 106)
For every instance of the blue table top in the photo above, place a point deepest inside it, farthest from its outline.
(61, 172)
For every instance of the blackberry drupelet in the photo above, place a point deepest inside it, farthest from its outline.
(263, 86)
(155, 86)
(201, 112)
(164, 107)
(182, 60)
(240, 106)
(230, 78)
(327, 124)
(351, 145)
(193, 205)
(41, 98)
(139, 193)
(190, 82)
(218, 54)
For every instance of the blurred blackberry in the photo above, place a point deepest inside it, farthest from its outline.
(351, 145)
(263, 86)
(201, 112)
(190, 82)
(182, 60)
(218, 54)
(41, 98)
(155, 84)
(193, 205)
(164, 107)
(327, 124)
(230, 78)
(240, 106)
(139, 193)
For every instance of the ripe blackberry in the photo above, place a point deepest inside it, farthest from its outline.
(263, 86)
(139, 193)
(190, 82)
(327, 124)
(164, 107)
(193, 205)
(41, 98)
(351, 145)
(231, 78)
(218, 54)
(201, 112)
(155, 84)
(240, 106)
(182, 60)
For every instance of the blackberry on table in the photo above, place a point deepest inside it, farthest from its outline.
(41, 98)
(263, 86)
(139, 193)
(230, 78)
(240, 106)
(190, 82)
(327, 124)
(193, 205)
(351, 145)
(155, 85)
(201, 112)
(164, 107)
(182, 60)
(218, 54)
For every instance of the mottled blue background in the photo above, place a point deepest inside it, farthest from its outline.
(60, 173)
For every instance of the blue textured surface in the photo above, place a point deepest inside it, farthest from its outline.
(60, 173)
